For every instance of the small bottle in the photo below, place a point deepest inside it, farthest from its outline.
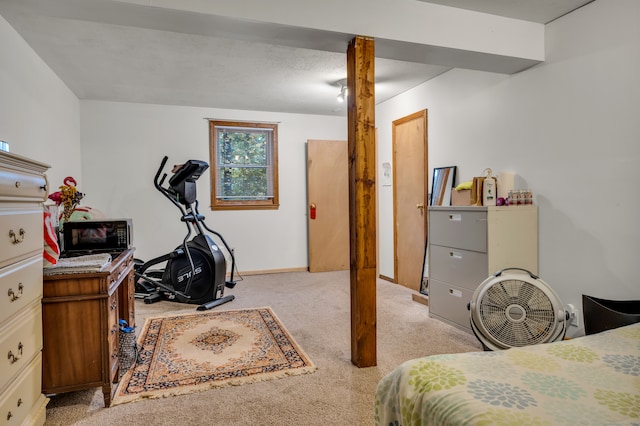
(514, 199)
(489, 190)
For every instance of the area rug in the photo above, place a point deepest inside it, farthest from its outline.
(186, 353)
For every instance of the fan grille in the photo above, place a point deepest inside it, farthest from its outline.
(517, 313)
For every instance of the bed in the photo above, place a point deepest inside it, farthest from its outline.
(588, 380)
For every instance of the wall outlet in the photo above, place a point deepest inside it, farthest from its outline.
(574, 315)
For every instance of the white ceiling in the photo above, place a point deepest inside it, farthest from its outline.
(108, 50)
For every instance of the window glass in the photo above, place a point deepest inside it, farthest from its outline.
(244, 156)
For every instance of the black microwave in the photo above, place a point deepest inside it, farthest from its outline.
(97, 236)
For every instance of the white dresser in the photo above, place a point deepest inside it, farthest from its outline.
(467, 245)
(22, 193)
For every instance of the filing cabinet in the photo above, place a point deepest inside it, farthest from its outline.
(467, 245)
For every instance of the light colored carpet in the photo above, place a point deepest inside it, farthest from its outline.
(315, 310)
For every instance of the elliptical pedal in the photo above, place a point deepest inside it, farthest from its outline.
(214, 303)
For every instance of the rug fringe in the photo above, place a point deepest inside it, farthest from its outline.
(186, 390)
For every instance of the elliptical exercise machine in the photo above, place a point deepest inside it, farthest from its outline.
(195, 272)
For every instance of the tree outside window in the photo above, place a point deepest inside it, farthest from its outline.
(245, 172)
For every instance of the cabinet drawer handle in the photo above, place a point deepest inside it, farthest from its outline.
(12, 358)
(455, 255)
(10, 414)
(455, 217)
(455, 293)
(113, 306)
(13, 294)
(16, 239)
(45, 187)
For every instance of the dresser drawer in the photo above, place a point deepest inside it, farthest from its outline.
(18, 186)
(17, 401)
(464, 268)
(20, 285)
(450, 302)
(21, 233)
(20, 341)
(113, 330)
(460, 229)
(119, 273)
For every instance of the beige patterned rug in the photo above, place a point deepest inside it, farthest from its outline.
(187, 353)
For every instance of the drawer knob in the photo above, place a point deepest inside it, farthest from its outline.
(16, 239)
(13, 358)
(455, 293)
(12, 294)
(9, 415)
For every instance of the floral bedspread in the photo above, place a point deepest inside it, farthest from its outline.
(591, 380)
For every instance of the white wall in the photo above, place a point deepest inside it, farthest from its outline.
(39, 115)
(568, 128)
(123, 145)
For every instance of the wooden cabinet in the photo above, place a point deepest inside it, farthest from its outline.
(80, 313)
(23, 190)
(467, 245)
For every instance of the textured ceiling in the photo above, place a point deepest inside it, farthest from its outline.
(110, 56)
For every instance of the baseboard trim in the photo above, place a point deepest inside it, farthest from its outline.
(383, 277)
(301, 269)
(273, 271)
(420, 298)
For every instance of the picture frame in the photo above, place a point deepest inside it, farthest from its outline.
(442, 184)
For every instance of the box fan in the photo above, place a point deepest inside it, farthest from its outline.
(515, 308)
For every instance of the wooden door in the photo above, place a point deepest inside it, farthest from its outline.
(328, 195)
(410, 198)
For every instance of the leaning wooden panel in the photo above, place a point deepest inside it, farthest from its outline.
(328, 209)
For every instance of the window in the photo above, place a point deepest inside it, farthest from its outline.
(245, 165)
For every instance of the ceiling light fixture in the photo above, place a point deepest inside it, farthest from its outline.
(343, 93)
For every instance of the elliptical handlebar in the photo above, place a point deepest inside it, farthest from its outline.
(166, 191)
(157, 184)
(172, 197)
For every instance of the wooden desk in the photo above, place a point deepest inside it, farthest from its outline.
(80, 314)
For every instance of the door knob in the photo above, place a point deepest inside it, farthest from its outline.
(420, 206)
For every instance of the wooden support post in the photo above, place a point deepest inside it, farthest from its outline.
(362, 199)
